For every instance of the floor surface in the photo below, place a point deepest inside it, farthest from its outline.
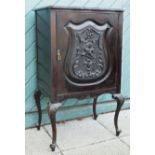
(82, 137)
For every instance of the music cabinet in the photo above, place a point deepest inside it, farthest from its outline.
(78, 55)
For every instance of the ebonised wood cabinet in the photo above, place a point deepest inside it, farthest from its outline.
(78, 55)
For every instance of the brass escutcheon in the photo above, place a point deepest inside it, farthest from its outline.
(58, 55)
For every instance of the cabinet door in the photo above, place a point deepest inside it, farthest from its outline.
(87, 51)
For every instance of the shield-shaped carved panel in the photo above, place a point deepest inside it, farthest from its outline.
(87, 62)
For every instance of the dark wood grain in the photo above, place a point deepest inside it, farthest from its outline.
(43, 52)
(79, 54)
(53, 36)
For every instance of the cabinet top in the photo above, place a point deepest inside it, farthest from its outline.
(77, 8)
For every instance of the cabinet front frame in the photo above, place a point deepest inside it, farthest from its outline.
(56, 65)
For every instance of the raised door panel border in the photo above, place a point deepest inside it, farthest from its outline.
(66, 16)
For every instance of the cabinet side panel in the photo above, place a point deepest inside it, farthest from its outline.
(43, 52)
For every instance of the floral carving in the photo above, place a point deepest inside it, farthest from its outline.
(86, 60)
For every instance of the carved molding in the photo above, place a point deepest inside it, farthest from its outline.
(87, 61)
(52, 108)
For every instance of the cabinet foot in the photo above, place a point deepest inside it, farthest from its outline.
(53, 146)
(37, 96)
(94, 108)
(120, 100)
(52, 115)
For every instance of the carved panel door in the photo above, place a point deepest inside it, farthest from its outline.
(87, 43)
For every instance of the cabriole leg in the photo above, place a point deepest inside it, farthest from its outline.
(94, 108)
(37, 96)
(120, 100)
(52, 115)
